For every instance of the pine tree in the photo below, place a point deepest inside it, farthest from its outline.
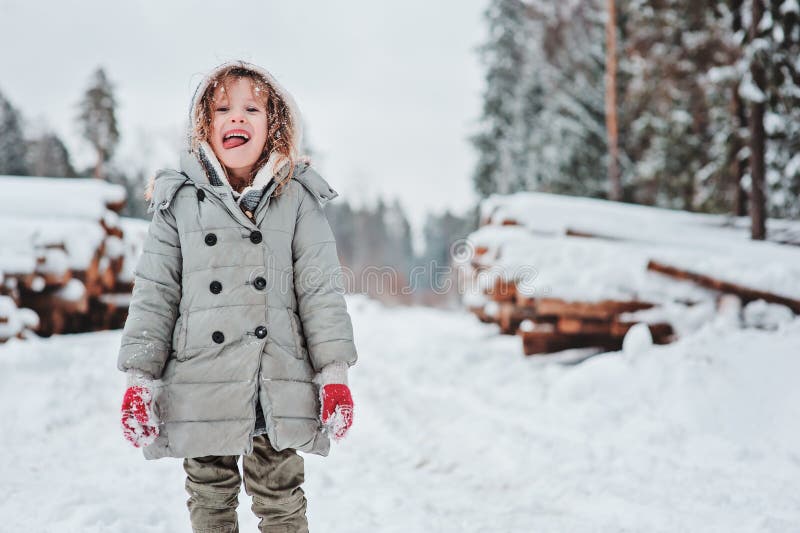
(570, 135)
(779, 35)
(98, 119)
(672, 106)
(12, 141)
(770, 91)
(543, 119)
(47, 156)
(501, 141)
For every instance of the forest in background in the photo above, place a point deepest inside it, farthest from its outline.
(692, 105)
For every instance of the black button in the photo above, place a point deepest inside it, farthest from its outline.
(260, 283)
(255, 237)
(215, 287)
(201, 194)
(211, 239)
(218, 337)
(261, 332)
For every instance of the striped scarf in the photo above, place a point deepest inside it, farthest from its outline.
(250, 197)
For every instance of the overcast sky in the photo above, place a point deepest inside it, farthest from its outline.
(390, 90)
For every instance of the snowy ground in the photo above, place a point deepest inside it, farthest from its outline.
(454, 431)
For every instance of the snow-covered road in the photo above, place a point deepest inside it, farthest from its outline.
(454, 431)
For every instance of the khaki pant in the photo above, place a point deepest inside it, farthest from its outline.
(271, 478)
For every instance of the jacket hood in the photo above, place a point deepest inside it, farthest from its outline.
(201, 167)
(205, 156)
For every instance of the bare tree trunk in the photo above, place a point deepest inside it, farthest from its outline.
(757, 198)
(615, 192)
(98, 167)
(739, 164)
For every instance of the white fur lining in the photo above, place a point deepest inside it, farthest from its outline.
(259, 182)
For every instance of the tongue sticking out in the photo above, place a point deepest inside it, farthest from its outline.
(232, 142)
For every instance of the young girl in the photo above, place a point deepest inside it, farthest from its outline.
(238, 339)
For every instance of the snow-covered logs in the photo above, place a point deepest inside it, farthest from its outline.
(553, 324)
(565, 272)
(65, 255)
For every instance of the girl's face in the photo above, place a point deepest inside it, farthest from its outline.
(238, 126)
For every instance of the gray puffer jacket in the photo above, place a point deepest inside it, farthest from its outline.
(229, 311)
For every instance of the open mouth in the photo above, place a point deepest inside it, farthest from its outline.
(234, 139)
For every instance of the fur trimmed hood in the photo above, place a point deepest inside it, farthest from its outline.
(280, 89)
(204, 155)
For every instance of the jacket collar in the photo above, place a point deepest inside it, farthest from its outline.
(203, 168)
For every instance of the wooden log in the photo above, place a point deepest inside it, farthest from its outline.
(91, 277)
(534, 343)
(29, 280)
(503, 290)
(123, 286)
(509, 222)
(116, 265)
(524, 300)
(541, 341)
(600, 310)
(51, 301)
(109, 270)
(116, 231)
(13, 283)
(116, 206)
(108, 312)
(56, 279)
(580, 326)
(511, 316)
(747, 294)
(570, 232)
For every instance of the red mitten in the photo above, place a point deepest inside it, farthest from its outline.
(139, 425)
(337, 409)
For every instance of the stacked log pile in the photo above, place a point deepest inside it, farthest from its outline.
(64, 257)
(601, 267)
(548, 325)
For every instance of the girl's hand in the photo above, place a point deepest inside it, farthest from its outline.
(139, 424)
(337, 409)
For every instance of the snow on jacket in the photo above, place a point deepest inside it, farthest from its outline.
(229, 311)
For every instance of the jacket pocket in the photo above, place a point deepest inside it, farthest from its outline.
(300, 351)
(179, 338)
